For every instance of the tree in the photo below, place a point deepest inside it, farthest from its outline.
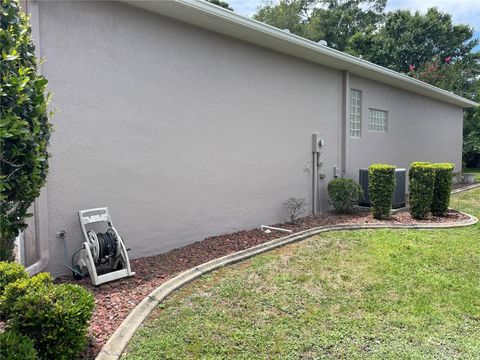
(221, 3)
(24, 126)
(407, 38)
(334, 21)
(288, 14)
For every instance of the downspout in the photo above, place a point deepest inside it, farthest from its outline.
(40, 204)
(345, 89)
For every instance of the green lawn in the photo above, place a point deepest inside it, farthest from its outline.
(376, 294)
(476, 171)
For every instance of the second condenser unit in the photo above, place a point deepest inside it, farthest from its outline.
(398, 199)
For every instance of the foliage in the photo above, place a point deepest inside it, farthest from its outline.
(441, 189)
(334, 21)
(15, 346)
(381, 186)
(24, 126)
(407, 38)
(295, 208)
(421, 176)
(221, 3)
(9, 273)
(367, 294)
(344, 194)
(56, 317)
(287, 14)
(19, 288)
(471, 136)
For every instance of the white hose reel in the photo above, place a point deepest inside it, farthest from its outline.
(103, 248)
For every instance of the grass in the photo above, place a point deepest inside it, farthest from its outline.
(371, 294)
(475, 171)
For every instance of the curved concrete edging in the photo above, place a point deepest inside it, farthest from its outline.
(117, 343)
(120, 338)
(465, 188)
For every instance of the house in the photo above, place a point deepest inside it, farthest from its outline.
(188, 120)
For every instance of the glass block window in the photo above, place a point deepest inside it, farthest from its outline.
(377, 120)
(355, 113)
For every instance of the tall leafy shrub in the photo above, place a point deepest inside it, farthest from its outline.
(442, 188)
(381, 186)
(422, 179)
(24, 126)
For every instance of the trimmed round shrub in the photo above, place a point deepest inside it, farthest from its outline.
(9, 273)
(16, 289)
(381, 186)
(56, 317)
(344, 194)
(422, 179)
(442, 188)
(15, 346)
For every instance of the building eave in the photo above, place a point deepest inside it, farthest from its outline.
(214, 18)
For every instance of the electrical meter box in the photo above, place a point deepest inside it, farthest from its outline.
(317, 143)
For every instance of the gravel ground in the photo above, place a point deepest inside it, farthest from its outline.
(115, 300)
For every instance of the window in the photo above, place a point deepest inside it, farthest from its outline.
(377, 120)
(355, 113)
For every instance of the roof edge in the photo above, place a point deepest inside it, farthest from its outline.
(215, 18)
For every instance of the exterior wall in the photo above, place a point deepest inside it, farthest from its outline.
(419, 129)
(181, 132)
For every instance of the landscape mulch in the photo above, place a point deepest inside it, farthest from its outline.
(115, 300)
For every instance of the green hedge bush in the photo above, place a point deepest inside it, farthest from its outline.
(56, 317)
(9, 273)
(15, 346)
(381, 186)
(442, 188)
(19, 288)
(422, 179)
(24, 125)
(344, 194)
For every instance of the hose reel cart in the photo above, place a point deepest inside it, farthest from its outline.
(101, 249)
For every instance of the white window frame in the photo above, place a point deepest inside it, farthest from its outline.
(377, 120)
(355, 115)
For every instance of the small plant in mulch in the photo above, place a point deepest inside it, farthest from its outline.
(295, 208)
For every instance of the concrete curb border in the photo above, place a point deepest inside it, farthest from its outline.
(465, 188)
(119, 340)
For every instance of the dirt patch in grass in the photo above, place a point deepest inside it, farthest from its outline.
(115, 300)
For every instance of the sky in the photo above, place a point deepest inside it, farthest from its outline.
(462, 11)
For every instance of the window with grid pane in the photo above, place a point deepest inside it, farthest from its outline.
(355, 113)
(377, 120)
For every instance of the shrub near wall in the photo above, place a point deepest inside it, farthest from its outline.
(344, 194)
(54, 317)
(442, 188)
(422, 180)
(381, 186)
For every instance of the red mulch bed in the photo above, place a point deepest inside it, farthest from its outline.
(115, 300)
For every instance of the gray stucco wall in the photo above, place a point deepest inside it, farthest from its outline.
(183, 133)
(419, 129)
